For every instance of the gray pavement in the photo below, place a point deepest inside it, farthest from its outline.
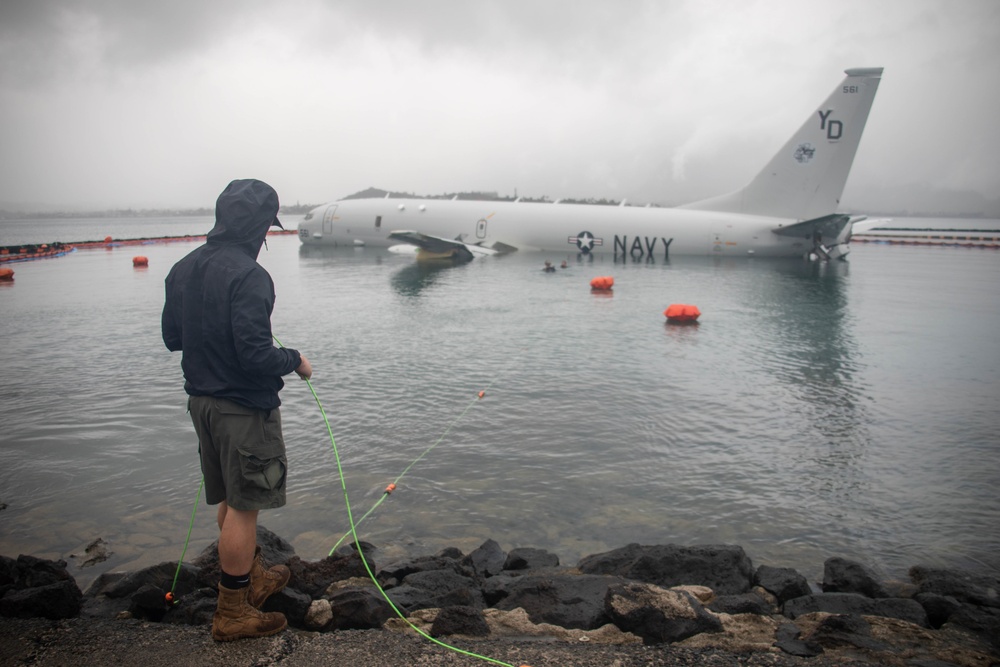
(86, 641)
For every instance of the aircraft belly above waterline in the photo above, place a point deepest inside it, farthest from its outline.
(789, 209)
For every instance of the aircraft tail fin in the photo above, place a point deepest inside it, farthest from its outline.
(806, 178)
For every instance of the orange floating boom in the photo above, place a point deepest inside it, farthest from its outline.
(681, 312)
(602, 283)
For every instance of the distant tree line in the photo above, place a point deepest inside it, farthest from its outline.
(378, 193)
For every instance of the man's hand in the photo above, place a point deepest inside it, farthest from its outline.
(305, 369)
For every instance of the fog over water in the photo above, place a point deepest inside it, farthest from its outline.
(114, 104)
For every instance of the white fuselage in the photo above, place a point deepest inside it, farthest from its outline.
(570, 228)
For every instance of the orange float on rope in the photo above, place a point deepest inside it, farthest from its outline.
(681, 312)
(108, 239)
(6, 274)
(602, 283)
(140, 260)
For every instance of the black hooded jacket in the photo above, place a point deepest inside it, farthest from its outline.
(219, 302)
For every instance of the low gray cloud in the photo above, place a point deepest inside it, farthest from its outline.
(116, 103)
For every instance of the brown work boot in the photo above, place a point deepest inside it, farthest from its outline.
(265, 581)
(236, 618)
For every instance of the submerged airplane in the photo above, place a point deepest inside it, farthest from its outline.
(788, 210)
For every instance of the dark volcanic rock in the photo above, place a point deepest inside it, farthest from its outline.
(656, 614)
(446, 560)
(725, 569)
(747, 603)
(358, 609)
(487, 560)
(460, 621)
(846, 630)
(787, 639)
(982, 590)
(52, 601)
(313, 577)
(939, 608)
(148, 604)
(32, 587)
(527, 558)
(844, 576)
(783, 583)
(29, 572)
(291, 602)
(569, 601)
(118, 585)
(436, 588)
(854, 604)
(195, 608)
(850, 631)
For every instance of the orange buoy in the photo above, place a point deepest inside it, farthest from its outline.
(6, 274)
(140, 260)
(681, 312)
(108, 239)
(602, 283)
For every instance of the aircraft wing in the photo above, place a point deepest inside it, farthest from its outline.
(435, 247)
(830, 235)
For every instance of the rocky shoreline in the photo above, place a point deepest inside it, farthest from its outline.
(636, 605)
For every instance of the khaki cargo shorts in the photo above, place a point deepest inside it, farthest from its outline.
(242, 453)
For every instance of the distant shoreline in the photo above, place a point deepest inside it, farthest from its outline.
(30, 251)
(302, 209)
(132, 213)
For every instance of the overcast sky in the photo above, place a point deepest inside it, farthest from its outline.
(118, 103)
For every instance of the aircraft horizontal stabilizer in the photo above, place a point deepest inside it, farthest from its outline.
(869, 224)
(830, 226)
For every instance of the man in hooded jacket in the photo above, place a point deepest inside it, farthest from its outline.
(218, 313)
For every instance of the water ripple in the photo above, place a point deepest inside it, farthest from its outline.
(795, 419)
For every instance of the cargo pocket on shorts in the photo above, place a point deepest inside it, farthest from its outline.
(264, 466)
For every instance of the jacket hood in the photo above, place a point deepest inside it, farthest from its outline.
(244, 212)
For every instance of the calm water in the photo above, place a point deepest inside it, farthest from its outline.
(817, 410)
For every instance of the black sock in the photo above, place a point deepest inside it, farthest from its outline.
(233, 582)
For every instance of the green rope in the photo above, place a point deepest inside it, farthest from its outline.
(357, 541)
(173, 586)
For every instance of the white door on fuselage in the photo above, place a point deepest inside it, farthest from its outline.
(328, 216)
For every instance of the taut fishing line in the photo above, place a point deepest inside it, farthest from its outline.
(392, 486)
